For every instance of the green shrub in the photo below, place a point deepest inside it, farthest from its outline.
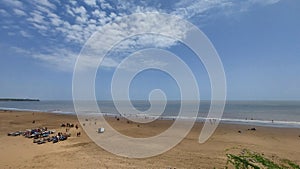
(252, 160)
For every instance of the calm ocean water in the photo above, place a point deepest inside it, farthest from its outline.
(283, 113)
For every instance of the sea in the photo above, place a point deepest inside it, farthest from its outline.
(256, 113)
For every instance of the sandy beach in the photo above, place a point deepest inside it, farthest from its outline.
(82, 152)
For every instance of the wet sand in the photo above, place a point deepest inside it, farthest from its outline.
(82, 152)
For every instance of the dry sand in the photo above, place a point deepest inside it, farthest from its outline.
(81, 152)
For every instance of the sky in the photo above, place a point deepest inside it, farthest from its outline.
(258, 42)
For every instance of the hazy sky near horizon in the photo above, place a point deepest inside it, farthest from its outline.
(258, 42)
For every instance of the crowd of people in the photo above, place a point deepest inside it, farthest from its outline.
(43, 135)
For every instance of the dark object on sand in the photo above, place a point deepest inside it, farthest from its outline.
(17, 133)
(50, 139)
(118, 119)
(45, 135)
(55, 140)
(41, 142)
(240, 131)
(63, 137)
(253, 129)
(70, 125)
(33, 121)
(101, 130)
(67, 125)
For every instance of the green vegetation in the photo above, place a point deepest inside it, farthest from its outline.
(252, 160)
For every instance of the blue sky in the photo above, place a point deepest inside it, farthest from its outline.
(258, 42)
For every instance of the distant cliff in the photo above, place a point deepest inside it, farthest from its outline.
(14, 99)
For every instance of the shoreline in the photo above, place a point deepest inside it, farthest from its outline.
(253, 122)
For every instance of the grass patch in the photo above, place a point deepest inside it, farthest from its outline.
(252, 160)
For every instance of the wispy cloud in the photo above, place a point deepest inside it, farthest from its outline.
(19, 12)
(62, 59)
(91, 3)
(13, 4)
(44, 3)
(3, 12)
(188, 8)
(20, 50)
(128, 32)
(72, 23)
(25, 34)
(263, 2)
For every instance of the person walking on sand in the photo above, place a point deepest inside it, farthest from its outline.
(78, 134)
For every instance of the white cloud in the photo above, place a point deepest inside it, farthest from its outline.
(55, 20)
(245, 6)
(13, 3)
(44, 3)
(69, 10)
(5, 27)
(125, 31)
(43, 9)
(40, 27)
(76, 24)
(62, 59)
(3, 12)
(36, 17)
(188, 8)
(137, 61)
(20, 50)
(74, 3)
(82, 17)
(19, 12)
(105, 5)
(80, 10)
(109, 62)
(25, 34)
(264, 2)
(91, 3)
